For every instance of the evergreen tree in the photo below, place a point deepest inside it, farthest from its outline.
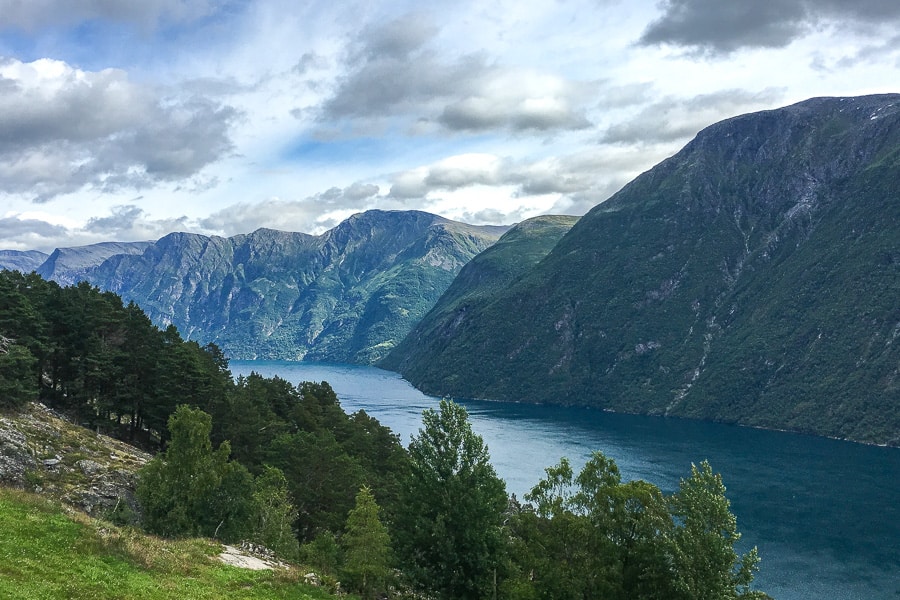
(367, 546)
(17, 381)
(449, 526)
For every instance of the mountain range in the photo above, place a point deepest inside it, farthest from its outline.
(752, 278)
(347, 295)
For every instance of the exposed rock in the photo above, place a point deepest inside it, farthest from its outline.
(16, 458)
(92, 472)
(238, 557)
(89, 467)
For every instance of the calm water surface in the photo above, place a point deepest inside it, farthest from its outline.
(823, 513)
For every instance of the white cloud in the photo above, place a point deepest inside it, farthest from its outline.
(63, 129)
(395, 72)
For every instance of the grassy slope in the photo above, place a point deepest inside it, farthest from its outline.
(49, 553)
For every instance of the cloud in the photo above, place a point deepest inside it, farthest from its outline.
(15, 229)
(128, 222)
(394, 73)
(718, 27)
(311, 215)
(121, 218)
(520, 100)
(125, 223)
(579, 181)
(36, 14)
(673, 119)
(63, 129)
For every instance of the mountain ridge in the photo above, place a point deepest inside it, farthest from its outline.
(347, 295)
(731, 282)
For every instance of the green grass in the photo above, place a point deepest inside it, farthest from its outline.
(48, 553)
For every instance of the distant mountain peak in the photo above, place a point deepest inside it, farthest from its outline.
(347, 295)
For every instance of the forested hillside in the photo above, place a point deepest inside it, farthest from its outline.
(284, 466)
(487, 274)
(751, 278)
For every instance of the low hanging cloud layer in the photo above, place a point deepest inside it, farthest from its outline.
(670, 119)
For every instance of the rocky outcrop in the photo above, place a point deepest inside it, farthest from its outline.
(16, 458)
(41, 451)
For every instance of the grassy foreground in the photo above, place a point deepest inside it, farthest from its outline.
(49, 553)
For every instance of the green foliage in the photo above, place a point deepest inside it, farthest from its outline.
(449, 527)
(192, 489)
(324, 454)
(274, 514)
(323, 552)
(102, 362)
(593, 536)
(18, 383)
(705, 564)
(367, 547)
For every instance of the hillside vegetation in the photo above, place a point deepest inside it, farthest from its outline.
(751, 278)
(51, 553)
(489, 273)
(282, 465)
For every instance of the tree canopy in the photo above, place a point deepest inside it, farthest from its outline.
(453, 505)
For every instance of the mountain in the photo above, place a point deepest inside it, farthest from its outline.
(25, 261)
(490, 272)
(348, 295)
(751, 278)
(70, 265)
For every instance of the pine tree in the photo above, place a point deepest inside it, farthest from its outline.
(191, 489)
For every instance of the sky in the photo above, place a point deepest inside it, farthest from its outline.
(124, 120)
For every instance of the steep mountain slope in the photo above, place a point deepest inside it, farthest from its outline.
(24, 261)
(348, 295)
(753, 277)
(484, 276)
(70, 265)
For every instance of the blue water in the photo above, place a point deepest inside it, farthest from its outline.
(824, 514)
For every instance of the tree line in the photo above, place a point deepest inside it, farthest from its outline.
(264, 460)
